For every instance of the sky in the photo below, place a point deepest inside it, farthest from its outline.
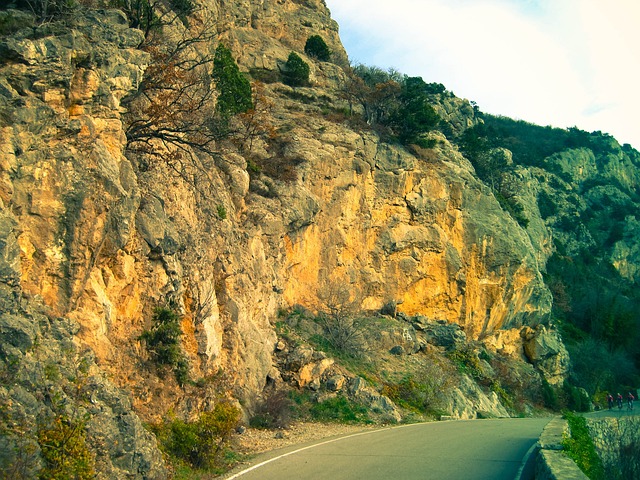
(562, 63)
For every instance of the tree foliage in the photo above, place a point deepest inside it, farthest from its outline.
(234, 89)
(296, 71)
(184, 104)
(151, 15)
(397, 106)
(174, 105)
(47, 10)
(64, 450)
(414, 115)
(589, 217)
(163, 342)
(317, 48)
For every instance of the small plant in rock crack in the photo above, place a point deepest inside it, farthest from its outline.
(163, 342)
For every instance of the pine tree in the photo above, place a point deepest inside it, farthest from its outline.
(296, 71)
(317, 48)
(234, 89)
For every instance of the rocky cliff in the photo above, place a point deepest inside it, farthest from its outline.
(95, 236)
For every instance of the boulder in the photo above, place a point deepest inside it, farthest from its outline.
(378, 404)
(544, 349)
(467, 401)
(440, 333)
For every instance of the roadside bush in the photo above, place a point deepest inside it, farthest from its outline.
(549, 396)
(408, 393)
(425, 390)
(576, 399)
(199, 443)
(467, 362)
(65, 451)
(296, 71)
(342, 335)
(273, 411)
(317, 48)
(579, 447)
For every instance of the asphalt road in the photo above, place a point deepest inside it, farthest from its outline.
(462, 449)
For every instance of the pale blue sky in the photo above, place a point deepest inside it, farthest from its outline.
(550, 62)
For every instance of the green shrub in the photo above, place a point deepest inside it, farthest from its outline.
(549, 395)
(467, 362)
(579, 447)
(576, 398)
(199, 443)
(46, 10)
(316, 47)
(414, 116)
(234, 89)
(339, 409)
(64, 451)
(265, 76)
(505, 398)
(163, 343)
(408, 393)
(13, 21)
(296, 71)
(222, 212)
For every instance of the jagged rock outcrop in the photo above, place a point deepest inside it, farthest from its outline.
(467, 401)
(440, 333)
(544, 350)
(304, 367)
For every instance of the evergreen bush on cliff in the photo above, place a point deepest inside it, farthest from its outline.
(397, 106)
(296, 71)
(414, 116)
(163, 343)
(234, 89)
(317, 48)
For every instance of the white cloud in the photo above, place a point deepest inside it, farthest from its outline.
(551, 62)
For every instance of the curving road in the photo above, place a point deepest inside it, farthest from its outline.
(463, 449)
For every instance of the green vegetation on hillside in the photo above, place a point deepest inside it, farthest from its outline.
(234, 89)
(163, 343)
(397, 106)
(198, 446)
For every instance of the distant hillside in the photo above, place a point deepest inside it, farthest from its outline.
(587, 190)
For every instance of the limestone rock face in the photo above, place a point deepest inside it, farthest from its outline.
(441, 334)
(104, 242)
(99, 237)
